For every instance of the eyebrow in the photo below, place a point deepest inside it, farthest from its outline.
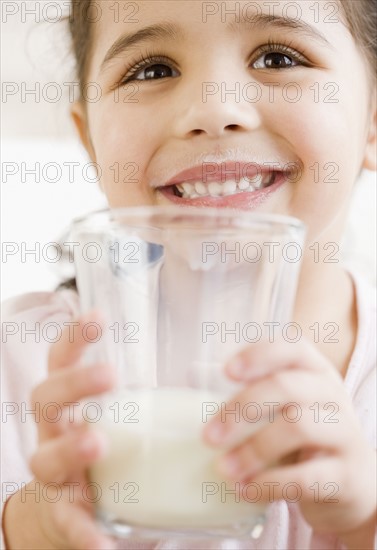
(126, 41)
(264, 20)
(173, 31)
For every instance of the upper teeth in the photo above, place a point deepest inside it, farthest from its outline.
(193, 190)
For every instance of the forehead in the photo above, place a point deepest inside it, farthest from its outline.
(131, 14)
(203, 24)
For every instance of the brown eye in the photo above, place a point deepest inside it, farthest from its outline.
(155, 71)
(151, 69)
(278, 61)
(275, 60)
(278, 56)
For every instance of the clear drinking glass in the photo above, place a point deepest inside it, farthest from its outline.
(180, 291)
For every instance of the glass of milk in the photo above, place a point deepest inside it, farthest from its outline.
(180, 291)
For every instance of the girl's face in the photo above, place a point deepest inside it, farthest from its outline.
(264, 105)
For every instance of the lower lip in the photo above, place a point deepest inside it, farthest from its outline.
(243, 200)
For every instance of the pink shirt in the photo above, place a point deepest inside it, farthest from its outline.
(24, 365)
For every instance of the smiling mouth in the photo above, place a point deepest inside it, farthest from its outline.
(200, 189)
(240, 184)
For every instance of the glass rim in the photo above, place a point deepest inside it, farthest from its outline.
(170, 211)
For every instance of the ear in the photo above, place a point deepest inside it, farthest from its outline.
(79, 117)
(370, 156)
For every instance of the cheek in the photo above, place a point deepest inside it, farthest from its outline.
(122, 152)
(317, 129)
(324, 134)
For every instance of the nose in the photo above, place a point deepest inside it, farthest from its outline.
(215, 110)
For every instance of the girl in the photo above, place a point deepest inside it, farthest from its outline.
(185, 83)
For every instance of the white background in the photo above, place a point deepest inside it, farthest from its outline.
(38, 130)
(37, 51)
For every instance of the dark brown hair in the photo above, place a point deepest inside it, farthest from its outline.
(81, 30)
(361, 20)
(360, 16)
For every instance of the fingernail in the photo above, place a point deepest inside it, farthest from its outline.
(230, 465)
(93, 316)
(86, 445)
(236, 367)
(215, 432)
(90, 443)
(107, 544)
(100, 374)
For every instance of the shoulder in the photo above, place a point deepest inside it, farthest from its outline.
(361, 379)
(30, 324)
(363, 359)
(40, 304)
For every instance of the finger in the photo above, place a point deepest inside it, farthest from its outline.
(57, 459)
(310, 482)
(76, 336)
(278, 440)
(62, 390)
(266, 398)
(77, 525)
(74, 383)
(265, 358)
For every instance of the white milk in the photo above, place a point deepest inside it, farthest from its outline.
(159, 473)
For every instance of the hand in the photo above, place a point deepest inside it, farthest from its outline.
(65, 450)
(322, 451)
